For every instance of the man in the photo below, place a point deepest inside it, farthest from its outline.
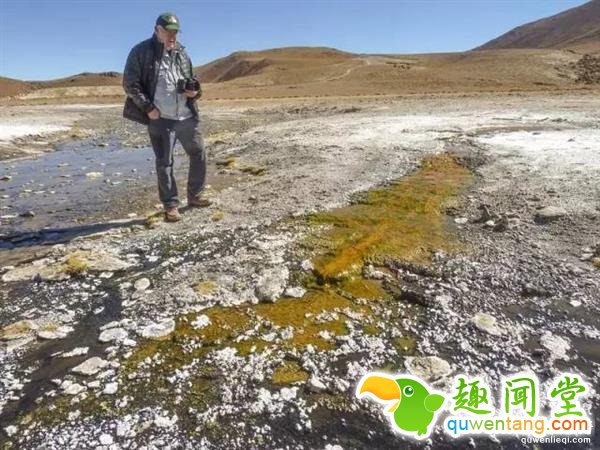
(153, 70)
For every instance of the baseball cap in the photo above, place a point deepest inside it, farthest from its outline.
(168, 21)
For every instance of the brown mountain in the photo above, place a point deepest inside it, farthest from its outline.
(83, 79)
(274, 64)
(316, 72)
(10, 87)
(577, 28)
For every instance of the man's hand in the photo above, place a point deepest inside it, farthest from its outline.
(154, 114)
(191, 94)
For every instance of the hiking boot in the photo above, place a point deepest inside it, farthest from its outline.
(172, 214)
(198, 202)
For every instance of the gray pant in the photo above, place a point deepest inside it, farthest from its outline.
(164, 133)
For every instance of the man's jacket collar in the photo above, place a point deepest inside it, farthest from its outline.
(159, 46)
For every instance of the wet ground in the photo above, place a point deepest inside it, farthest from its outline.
(78, 182)
(392, 283)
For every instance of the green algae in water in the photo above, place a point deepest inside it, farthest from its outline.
(403, 221)
(288, 373)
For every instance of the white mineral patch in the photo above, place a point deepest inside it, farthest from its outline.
(75, 352)
(201, 321)
(113, 335)
(90, 366)
(159, 329)
(9, 131)
(556, 345)
(111, 388)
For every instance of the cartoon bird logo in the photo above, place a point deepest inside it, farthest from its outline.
(413, 405)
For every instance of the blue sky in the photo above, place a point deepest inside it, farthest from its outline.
(47, 39)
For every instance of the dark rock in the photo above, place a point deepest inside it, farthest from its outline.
(486, 214)
(529, 290)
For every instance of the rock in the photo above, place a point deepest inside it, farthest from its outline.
(90, 366)
(341, 385)
(486, 215)
(415, 296)
(307, 265)
(105, 439)
(73, 389)
(316, 385)
(530, 290)
(486, 322)
(295, 292)
(549, 214)
(47, 269)
(101, 261)
(501, 225)
(112, 335)
(556, 345)
(94, 174)
(27, 214)
(111, 388)
(16, 344)
(201, 322)
(52, 331)
(271, 283)
(429, 368)
(73, 415)
(112, 324)
(122, 428)
(44, 269)
(10, 430)
(461, 220)
(18, 330)
(158, 330)
(165, 422)
(490, 224)
(142, 284)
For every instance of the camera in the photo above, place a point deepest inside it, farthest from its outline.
(187, 84)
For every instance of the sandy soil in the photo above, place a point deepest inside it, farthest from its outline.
(531, 276)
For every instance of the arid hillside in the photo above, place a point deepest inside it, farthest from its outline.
(10, 87)
(577, 28)
(310, 72)
(318, 72)
(83, 79)
(281, 63)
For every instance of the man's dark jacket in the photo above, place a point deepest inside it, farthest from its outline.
(141, 73)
